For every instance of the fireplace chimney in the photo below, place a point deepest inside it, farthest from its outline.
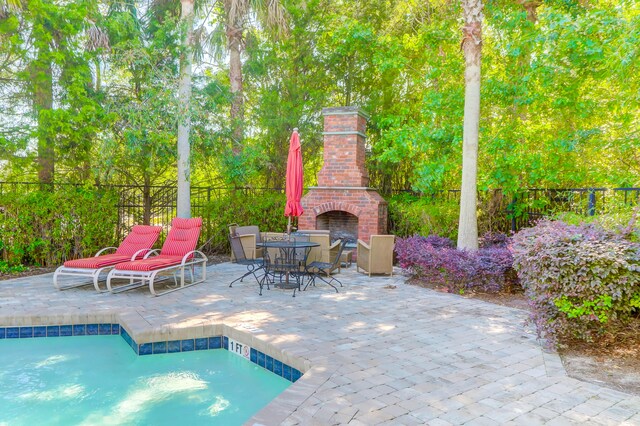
(343, 202)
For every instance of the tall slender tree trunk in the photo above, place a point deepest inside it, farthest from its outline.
(98, 75)
(146, 200)
(234, 35)
(472, 47)
(43, 104)
(531, 7)
(184, 122)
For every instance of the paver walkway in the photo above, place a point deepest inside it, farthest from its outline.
(382, 351)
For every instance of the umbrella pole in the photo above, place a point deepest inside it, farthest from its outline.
(289, 226)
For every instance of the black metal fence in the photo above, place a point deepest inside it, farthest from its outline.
(140, 204)
(522, 209)
(156, 204)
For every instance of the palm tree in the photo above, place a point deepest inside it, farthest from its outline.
(472, 48)
(271, 16)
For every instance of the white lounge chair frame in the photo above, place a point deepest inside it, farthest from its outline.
(93, 274)
(150, 276)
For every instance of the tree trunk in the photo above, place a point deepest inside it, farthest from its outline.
(531, 7)
(43, 103)
(472, 46)
(184, 118)
(146, 200)
(98, 75)
(234, 37)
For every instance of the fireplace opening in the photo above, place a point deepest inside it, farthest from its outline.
(341, 225)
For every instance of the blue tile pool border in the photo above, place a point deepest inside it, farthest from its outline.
(150, 348)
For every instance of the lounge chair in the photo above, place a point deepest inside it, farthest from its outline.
(177, 254)
(134, 246)
(376, 257)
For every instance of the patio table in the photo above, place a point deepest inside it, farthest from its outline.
(288, 264)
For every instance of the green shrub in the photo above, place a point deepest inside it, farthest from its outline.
(583, 280)
(614, 216)
(5, 268)
(46, 228)
(438, 215)
(410, 215)
(264, 209)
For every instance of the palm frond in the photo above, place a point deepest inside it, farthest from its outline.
(237, 11)
(9, 6)
(272, 16)
(97, 38)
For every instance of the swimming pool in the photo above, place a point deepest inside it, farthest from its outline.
(100, 380)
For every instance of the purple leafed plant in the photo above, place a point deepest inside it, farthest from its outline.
(583, 280)
(436, 260)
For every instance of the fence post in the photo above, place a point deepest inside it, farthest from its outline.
(510, 211)
(591, 207)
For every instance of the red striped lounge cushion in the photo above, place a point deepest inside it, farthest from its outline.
(183, 236)
(140, 237)
(150, 264)
(97, 262)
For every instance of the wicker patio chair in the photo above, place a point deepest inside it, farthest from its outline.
(376, 257)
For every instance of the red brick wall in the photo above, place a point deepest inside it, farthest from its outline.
(343, 180)
(344, 154)
(367, 205)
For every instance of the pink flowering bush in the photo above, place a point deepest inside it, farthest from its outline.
(583, 280)
(436, 260)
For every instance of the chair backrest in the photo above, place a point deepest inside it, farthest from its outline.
(140, 237)
(183, 236)
(382, 243)
(273, 253)
(251, 229)
(300, 254)
(321, 253)
(381, 253)
(314, 231)
(237, 249)
(336, 259)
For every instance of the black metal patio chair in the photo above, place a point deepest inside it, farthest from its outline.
(253, 265)
(318, 269)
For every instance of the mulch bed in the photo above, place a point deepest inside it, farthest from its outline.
(29, 272)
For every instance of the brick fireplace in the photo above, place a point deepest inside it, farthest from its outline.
(343, 202)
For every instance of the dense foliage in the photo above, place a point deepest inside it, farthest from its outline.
(438, 213)
(409, 215)
(264, 210)
(583, 280)
(46, 228)
(88, 89)
(436, 260)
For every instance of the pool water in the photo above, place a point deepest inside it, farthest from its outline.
(100, 380)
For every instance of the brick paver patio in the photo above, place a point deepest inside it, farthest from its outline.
(379, 352)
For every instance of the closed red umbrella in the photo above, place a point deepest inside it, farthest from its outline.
(294, 179)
